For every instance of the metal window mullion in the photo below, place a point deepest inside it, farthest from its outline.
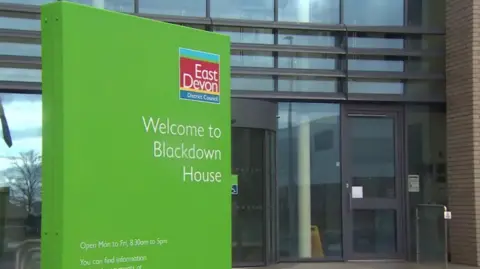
(341, 8)
(346, 68)
(207, 8)
(275, 57)
(136, 6)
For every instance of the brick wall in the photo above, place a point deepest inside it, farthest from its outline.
(463, 128)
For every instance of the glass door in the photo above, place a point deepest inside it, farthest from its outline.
(371, 174)
(254, 123)
(252, 158)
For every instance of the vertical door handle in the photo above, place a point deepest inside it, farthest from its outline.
(349, 201)
(349, 193)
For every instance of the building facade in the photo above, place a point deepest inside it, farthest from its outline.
(353, 125)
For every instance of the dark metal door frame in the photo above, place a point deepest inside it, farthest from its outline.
(398, 203)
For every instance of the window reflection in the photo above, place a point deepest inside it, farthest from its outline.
(173, 7)
(372, 155)
(242, 9)
(28, 2)
(426, 13)
(306, 38)
(426, 136)
(375, 87)
(20, 49)
(430, 64)
(426, 64)
(424, 87)
(305, 60)
(306, 84)
(252, 59)
(195, 26)
(316, 11)
(247, 35)
(374, 12)
(381, 41)
(19, 24)
(308, 178)
(253, 83)
(117, 5)
(249, 162)
(18, 74)
(390, 64)
(20, 178)
(426, 42)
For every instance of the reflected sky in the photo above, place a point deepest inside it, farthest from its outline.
(24, 115)
(28, 2)
(244, 9)
(117, 5)
(301, 112)
(19, 74)
(374, 12)
(173, 7)
(7, 48)
(317, 11)
(247, 35)
(19, 24)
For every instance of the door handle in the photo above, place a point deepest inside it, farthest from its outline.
(349, 200)
(349, 194)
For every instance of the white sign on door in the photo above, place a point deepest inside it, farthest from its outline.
(413, 183)
(357, 192)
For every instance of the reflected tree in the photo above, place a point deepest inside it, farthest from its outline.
(25, 177)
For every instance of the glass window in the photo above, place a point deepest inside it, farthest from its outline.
(304, 60)
(390, 64)
(424, 87)
(20, 49)
(425, 64)
(247, 35)
(374, 12)
(375, 87)
(20, 178)
(377, 41)
(426, 42)
(308, 178)
(117, 5)
(252, 59)
(316, 11)
(253, 83)
(426, 13)
(28, 2)
(17, 74)
(195, 26)
(242, 9)
(19, 24)
(426, 149)
(174, 7)
(306, 84)
(306, 38)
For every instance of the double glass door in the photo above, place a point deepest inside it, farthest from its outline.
(372, 186)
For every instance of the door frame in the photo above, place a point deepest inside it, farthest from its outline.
(401, 236)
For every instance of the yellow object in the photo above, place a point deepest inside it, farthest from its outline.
(317, 246)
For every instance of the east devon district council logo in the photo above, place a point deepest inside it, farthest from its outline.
(199, 76)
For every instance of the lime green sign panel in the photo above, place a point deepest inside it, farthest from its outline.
(137, 165)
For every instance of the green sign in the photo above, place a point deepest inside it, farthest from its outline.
(137, 165)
